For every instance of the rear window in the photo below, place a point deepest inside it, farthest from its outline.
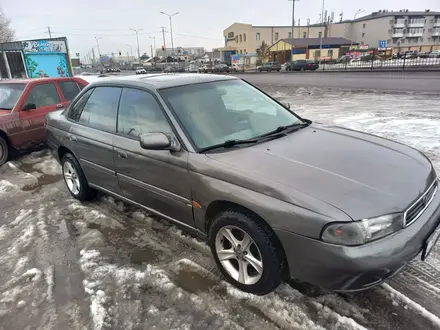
(10, 94)
(69, 89)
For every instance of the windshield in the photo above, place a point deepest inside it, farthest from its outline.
(212, 113)
(9, 95)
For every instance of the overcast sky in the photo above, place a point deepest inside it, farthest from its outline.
(199, 22)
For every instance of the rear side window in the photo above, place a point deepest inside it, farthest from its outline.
(69, 89)
(101, 109)
(43, 95)
(75, 109)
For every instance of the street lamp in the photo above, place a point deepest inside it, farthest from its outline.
(171, 30)
(154, 41)
(352, 26)
(137, 38)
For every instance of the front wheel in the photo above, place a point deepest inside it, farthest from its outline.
(75, 179)
(245, 251)
(4, 151)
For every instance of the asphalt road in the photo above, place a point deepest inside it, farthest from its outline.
(425, 82)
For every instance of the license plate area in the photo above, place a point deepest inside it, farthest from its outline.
(430, 243)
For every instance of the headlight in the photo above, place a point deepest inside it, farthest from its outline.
(361, 232)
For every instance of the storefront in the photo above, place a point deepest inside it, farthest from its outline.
(35, 59)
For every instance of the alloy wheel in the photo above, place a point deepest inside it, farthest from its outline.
(239, 255)
(71, 178)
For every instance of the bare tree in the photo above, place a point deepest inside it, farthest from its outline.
(6, 32)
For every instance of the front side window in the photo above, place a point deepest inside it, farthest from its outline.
(75, 109)
(43, 95)
(101, 108)
(10, 94)
(69, 89)
(139, 113)
(216, 112)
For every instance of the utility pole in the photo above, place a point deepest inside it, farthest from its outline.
(137, 38)
(93, 55)
(154, 41)
(152, 56)
(293, 16)
(99, 52)
(352, 24)
(164, 44)
(171, 31)
(50, 33)
(322, 24)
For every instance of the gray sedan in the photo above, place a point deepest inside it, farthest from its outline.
(274, 195)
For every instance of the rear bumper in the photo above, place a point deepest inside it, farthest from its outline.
(342, 268)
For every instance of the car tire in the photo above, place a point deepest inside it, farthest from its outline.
(74, 177)
(262, 247)
(4, 150)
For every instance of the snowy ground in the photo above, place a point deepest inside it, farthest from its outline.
(107, 265)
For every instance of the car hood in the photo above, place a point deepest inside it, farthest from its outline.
(361, 174)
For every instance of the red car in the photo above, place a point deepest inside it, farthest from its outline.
(24, 105)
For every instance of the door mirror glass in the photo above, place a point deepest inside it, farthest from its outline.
(158, 141)
(29, 106)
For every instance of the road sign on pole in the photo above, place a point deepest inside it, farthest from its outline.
(382, 44)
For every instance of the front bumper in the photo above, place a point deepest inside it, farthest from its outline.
(345, 268)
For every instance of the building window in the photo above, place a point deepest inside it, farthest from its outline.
(244, 51)
(388, 41)
(230, 35)
(241, 40)
(244, 37)
(330, 52)
(257, 36)
(276, 35)
(317, 53)
(236, 38)
(319, 34)
(390, 31)
(305, 35)
(363, 35)
(364, 25)
(289, 35)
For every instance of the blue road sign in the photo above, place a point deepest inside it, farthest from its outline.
(382, 44)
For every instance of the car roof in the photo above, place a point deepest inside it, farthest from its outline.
(163, 80)
(29, 80)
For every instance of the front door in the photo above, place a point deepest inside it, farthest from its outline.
(92, 136)
(156, 179)
(45, 98)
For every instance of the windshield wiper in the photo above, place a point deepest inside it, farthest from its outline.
(287, 128)
(229, 144)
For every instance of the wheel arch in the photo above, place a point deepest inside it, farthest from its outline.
(62, 150)
(218, 206)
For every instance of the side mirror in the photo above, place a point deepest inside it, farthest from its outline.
(158, 141)
(29, 106)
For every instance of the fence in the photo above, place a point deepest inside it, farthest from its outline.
(385, 65)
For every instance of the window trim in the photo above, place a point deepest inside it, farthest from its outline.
(44, 83)
(61, 91)
(75, 101)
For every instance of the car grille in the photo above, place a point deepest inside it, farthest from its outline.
(415, 210)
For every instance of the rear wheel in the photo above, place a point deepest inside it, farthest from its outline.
(75, 179)
(4, 150)
(245, 251)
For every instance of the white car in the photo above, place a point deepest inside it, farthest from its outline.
(140, 70)
(237, 68)
(435, 54)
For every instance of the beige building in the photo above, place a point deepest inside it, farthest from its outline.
(402, 30)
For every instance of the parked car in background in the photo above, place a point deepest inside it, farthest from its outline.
(344, 59)
(221, 68)
(275, 195)
(435, 54)
(24, 105)
(424, 54)
(270, 66)
(140, 70)
(302, 65)
(206, 68)
(410, 54)
(237, 67)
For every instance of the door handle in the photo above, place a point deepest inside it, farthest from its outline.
(59, 106)
(121, 154)
(72, 138)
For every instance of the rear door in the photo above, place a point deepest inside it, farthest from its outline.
(46, 98)
(69, 90)
(92, 136)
